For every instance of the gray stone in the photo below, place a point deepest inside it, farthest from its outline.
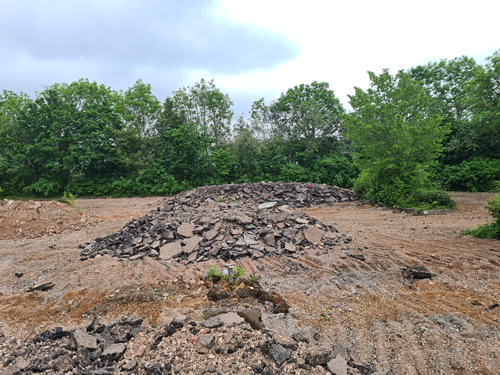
(318, 356)
(85, 340)
(207, 340)
(231, 319)
(130, 365)
(114, 350)
(338, 365)
(300, 220)
(280, 353)
(170, 250)
(180, 319)
(210, 235)
(63, 363)
(213, 322)
(186, 230)
(313, 235)
(191, 243)
(264, 206)
(155, 244)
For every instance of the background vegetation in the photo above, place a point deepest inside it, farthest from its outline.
(432, 127)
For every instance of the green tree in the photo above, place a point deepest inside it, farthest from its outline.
(205, 106)
(395, 135)
(448, 82)
(69, 133)
(13, 171)
(308, 118)
(484, 99)
(139, 111)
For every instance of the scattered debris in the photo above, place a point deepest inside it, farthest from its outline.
(416, 272)
(31, 219)
(41, 287)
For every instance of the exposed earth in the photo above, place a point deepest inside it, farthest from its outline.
(350, 308)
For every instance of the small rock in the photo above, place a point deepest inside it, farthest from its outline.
(213, 322)
(19, 274)
(338, 365)
(230, 319)
(267, 205)
(114, 351)
(280, 353)
(130, 365)
(85, 340)
(207, 340)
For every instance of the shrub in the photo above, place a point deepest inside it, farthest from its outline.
(478, 174)
(489, 230)
(428, 199)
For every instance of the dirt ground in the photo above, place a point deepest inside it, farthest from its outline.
(445, 325)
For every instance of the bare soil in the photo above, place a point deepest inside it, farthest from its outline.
(445, 325)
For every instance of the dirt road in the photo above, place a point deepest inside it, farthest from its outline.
(356, 297)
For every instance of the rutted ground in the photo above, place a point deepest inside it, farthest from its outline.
(447, 324)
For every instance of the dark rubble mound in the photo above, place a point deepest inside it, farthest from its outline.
(293, 194)
(218, 231)
(247, 220)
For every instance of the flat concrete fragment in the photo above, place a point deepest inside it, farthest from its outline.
(264, 206)
(191, 243)
(170, 250)
(231, 319)
(84, 339)
(210, 235)
(338, 365)
(114, 350)
(313, 235)
(186, 229)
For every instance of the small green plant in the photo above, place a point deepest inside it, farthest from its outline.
(252, 279)
(219, 199)
(239, 272)
(68, 198)
(491, 230)
(215, 271)
(326, 318)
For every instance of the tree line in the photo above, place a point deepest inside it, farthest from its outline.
(432, 126)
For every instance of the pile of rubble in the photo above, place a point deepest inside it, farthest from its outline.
(224, 342)
(189, 230)
(293, 194)
(30, 219)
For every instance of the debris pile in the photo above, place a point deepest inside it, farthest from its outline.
(227, 231)
(31, 219)
(293, 194)
(224, 342)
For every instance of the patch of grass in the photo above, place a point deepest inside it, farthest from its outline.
(215, 271)
(489, 230)
(68, 198)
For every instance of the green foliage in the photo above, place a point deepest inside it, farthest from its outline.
(215, 271)
(338, 170)
(425, 199)
(490, 230)
(291, 172)
(477, 174)
(68, 198)
(395, 137)
(239, 272)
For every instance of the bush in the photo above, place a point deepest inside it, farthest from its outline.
(478, 174)
(291, 172)
(337, 170)
(489, 230)
(431, 199)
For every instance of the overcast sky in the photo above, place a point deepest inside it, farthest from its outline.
(252, 49)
